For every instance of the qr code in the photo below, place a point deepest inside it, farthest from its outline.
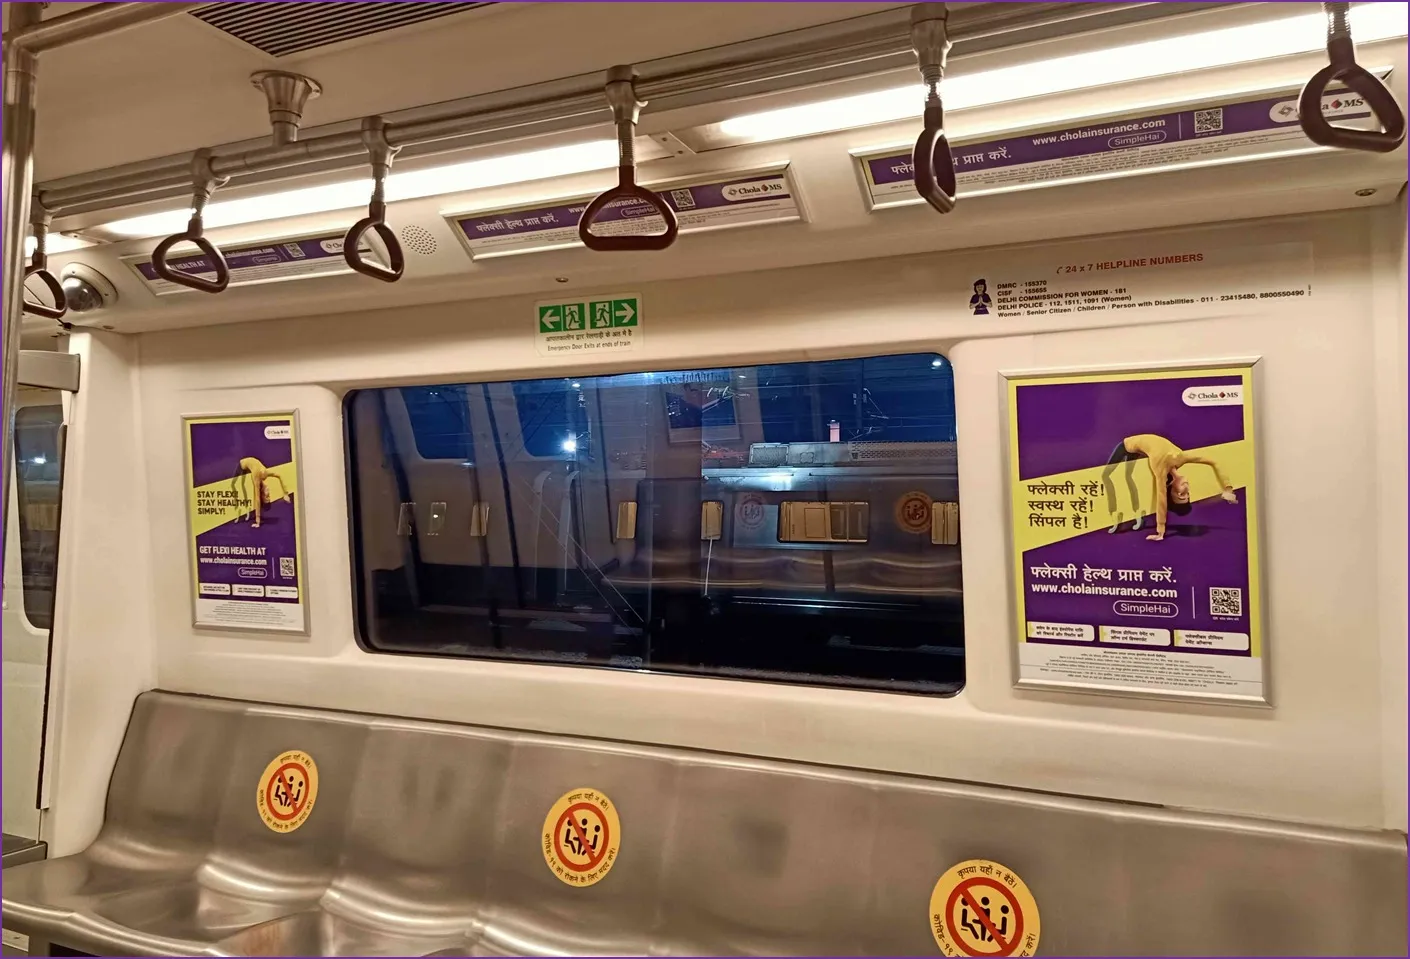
(684, 199)
(1226, 601)
(1209, 121)
(286, 567)
(294, 250)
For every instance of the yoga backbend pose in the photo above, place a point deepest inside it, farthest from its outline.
(1171, 490)
(262, 483)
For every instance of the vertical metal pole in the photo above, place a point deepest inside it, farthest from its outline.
(16, 181)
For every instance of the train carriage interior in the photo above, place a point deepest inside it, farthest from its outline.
(552, 479)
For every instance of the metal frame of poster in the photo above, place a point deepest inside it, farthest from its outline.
(1097, 603)
(233, 507)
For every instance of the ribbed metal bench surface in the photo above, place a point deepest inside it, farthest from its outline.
(427, 839)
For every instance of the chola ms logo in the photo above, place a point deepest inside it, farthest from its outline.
(1213, 396)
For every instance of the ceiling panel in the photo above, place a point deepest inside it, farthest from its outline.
(180, 84)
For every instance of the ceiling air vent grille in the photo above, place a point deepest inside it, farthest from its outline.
(282, 28)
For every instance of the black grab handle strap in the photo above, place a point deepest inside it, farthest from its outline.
(56, 290)
(352, 255)
(627, 189)
(193, 234)
(933, 164)
(1343, 68)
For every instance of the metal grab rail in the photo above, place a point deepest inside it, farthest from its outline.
(205, 183)
(1343, 68)
(39, 267)
(932, 163)
(866, 45)
(626, 110)
(374, 135)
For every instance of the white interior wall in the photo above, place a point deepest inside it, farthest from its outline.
(1391, 352)
(104, 645)
(1332, 401)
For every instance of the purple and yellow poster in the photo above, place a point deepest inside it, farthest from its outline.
(242, 480)
(1134, 506)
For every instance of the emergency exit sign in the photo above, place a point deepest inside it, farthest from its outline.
(605, 323)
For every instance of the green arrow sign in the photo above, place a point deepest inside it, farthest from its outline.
(611, 322)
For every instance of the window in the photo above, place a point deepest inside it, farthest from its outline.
(790, 522)
(38, 442)
(440, 421)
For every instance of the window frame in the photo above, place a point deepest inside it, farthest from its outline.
(364, 608)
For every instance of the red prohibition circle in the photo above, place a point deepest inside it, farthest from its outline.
(962, 890)
(913, 512)
(568, 816)
(751, 511)
(279, 777)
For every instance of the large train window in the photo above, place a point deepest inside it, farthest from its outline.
(791, 522)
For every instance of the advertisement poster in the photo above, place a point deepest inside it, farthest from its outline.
(1134, 514)
(1126, 145)
(716, 203)
(243, 500)
(295, 258)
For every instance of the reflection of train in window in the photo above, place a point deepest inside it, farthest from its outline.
(791, 521)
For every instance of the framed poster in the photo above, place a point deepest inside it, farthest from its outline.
(244, 525)
(1134, 526)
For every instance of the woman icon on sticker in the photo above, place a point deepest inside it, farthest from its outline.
(980, 302)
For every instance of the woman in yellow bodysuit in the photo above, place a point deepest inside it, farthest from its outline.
(262, 484)
(1171, 491)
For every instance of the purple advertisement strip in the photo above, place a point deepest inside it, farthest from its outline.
(689, 203)
(1273, 114)
(264, 255)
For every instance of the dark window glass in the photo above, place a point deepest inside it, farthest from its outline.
(665, 520)
(440, 422)
(553, 419)
(38, 438)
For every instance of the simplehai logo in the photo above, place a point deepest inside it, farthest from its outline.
(1214, 396)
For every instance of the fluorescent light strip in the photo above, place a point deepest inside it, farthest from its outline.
(1291, 35)
(349, 194)
(1137, 61)
(55, 243)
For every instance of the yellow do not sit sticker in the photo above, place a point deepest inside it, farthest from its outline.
(982, 908)
(287, 791)
(581, 837)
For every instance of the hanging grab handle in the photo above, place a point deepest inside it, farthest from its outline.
(1341, 53)
(39, 266)
(626, 109)
(204, 183)
(931, 160)
(374, 136)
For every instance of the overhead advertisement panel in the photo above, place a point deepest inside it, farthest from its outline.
(289, 259)
(716, 202)
(1213, 132)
